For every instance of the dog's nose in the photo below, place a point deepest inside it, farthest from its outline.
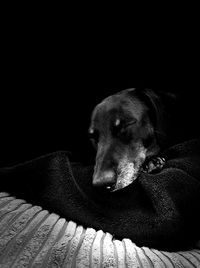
(105, 179)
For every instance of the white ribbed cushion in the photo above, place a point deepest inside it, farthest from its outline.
(31, 237)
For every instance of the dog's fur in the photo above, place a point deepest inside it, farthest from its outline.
(126, 129)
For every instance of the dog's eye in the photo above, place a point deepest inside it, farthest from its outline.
(121, 129)
(130, 123)
(127, 125)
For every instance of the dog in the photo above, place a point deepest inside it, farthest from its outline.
(127, 132)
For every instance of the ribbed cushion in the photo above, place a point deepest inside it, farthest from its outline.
(32, 237)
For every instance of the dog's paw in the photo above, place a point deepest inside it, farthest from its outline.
(155, 164)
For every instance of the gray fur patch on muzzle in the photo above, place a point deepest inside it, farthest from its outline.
(128, 171)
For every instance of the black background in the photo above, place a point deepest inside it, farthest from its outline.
(52, 77)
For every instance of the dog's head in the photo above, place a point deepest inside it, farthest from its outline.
(125, 129)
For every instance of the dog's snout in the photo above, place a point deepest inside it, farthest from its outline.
(105, 179)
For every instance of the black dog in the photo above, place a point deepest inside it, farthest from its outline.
(127, 130)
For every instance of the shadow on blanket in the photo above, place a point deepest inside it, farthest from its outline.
(160, 211)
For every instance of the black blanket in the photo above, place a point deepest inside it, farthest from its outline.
(157, 210)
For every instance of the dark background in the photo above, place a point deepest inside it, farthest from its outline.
(51, 79)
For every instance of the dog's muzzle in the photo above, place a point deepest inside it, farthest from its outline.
(126, 173)
(114, 180)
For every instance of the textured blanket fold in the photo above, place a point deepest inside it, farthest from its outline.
(158, 210)
(31, 237)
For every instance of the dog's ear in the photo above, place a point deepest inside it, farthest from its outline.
(160, 104)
